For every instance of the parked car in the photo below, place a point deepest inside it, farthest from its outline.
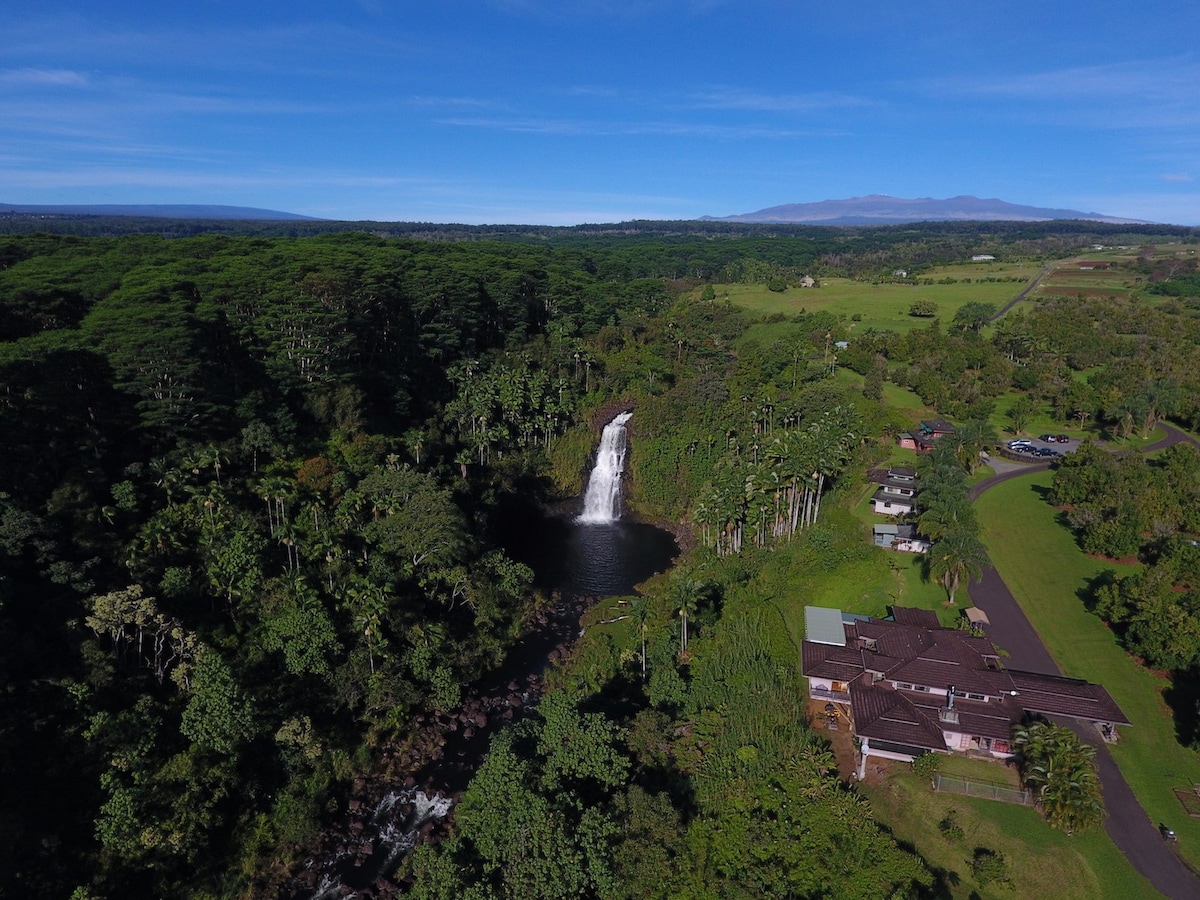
(1062, 438)
(1020, 442)
(1048, 438)
(1045, 451)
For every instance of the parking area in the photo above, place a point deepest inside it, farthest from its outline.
(1040, 449)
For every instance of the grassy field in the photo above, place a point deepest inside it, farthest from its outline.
(886, 306)
(867, 585)
(1046, 571)
(1042, 862)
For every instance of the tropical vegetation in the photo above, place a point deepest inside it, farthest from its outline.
(254, 521)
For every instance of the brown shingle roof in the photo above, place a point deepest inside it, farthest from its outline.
(1056, 696)
(906, 615)
(885, 714)
(915, 649)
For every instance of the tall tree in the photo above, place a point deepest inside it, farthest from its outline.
(958, 553)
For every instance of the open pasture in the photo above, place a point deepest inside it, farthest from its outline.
(886, 305)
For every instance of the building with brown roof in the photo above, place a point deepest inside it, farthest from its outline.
(910, 686)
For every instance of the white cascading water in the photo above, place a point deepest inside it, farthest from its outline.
(392, 831)
(602, 502)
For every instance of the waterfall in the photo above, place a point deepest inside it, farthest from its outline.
(373, 848)
(602, 502)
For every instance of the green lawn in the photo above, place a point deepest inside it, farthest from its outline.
(1042, 862)
(1040, 423)
(886, 306)
(1041, 564)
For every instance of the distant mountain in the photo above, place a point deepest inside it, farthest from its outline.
(879, 209)
(155, 211)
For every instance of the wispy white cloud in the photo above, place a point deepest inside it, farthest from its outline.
(1157, 79)
(1177, 177)
(741, 99)
(1156, 94)
(625, 9)
(28, 77)
(458, 102)
(311, 46)
(1170, 206)
(585, 128)
(186, 179)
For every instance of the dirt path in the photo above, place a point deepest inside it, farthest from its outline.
(1127, 823)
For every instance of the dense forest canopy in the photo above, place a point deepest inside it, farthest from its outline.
(250, 530)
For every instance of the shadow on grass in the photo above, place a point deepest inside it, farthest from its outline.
(1183, 697)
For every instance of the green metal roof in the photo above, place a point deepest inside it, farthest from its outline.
(824, 626)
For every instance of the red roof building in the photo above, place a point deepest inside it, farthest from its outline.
(912, 686)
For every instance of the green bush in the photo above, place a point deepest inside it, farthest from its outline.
(949, 827)
(990, 867)
(927, 765)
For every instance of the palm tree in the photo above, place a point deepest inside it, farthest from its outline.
(640, 607)
(971, 438)
(959, 552)
(943, 513)
(1061, 771)
(687, 595)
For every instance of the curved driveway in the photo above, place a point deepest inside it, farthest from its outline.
(1127, 823)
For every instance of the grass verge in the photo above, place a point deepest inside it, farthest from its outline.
(1042, 862)
(1040, 562)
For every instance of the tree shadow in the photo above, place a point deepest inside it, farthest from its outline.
(1183, 697)
(1090, 592)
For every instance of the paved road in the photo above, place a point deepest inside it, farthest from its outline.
(1174, 436)
(1021, 296)
(1127, 823)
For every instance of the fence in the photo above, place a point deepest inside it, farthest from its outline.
(970, 787)
(820, 693)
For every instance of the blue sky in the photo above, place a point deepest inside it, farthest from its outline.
(569, 111)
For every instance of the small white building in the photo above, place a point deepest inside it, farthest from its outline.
(901, 538)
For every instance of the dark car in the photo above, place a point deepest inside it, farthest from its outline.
(1048, 438)
(1062, 438)
(1045, 451)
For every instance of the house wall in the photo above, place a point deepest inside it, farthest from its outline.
(893, 507)
(824, 684)
(828, 689)
(959, 741)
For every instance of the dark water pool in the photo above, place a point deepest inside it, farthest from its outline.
(589, 560)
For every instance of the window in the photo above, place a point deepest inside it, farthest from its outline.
(976, 697)
(921, 687)
(901, 686)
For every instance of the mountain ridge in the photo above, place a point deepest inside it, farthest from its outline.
(882, 209)
(155, 211)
